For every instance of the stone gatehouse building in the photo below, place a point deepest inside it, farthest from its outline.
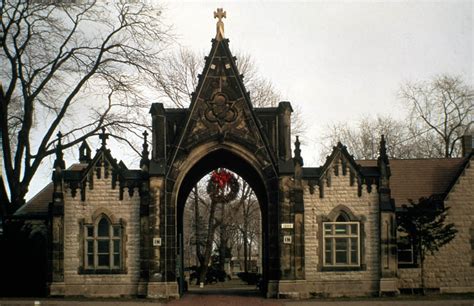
(326, 231)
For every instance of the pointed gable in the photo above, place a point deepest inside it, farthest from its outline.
(221, 108)
(103, 165)
(81, 176)
(341, 160)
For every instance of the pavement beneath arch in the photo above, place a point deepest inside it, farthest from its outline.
(235, 293)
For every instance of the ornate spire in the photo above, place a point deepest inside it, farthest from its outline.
(59, 166)
(298, 158)
(104, 136)
(145, 161)
(220, 13)
(59, 162)
(382, 161)
(383, 150)
(84, 152)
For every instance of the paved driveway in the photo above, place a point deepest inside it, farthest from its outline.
(239, 295)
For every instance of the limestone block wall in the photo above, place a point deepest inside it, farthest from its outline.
(342, 283)
(101, 199)
(452, 268)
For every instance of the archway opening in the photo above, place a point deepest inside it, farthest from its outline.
(238, 229)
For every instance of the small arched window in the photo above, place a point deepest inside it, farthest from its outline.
(103, 245)
(341, 242)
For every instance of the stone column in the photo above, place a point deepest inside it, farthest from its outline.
(291, 283)
(272, 243)
(146, 238)
(159, 132)
(159, 286)
(298, 209)
(56, 214)
(284, 130)
(286, 230)
(387, 226)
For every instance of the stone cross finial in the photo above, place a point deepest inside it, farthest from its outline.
(297, 151)
(59, 162)
(60, 135)
(220, 13)
(104, 137)
(145, 144)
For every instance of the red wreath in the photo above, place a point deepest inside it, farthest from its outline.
(223, 186)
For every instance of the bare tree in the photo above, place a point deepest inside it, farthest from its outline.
(445, 105)
(221, 227)
(362, 138)
(70, 67)
(205, 223)
(178, 79)
(440, 112)
(249, 225)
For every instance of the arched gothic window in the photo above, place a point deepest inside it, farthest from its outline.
(103, 245)
(341, 242)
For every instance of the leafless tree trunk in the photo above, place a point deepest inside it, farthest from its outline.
(246, 245)
(205, 259)
(250, 210)
(196, 223)
(222, 238)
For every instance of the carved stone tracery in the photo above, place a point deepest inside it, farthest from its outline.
(220, 110)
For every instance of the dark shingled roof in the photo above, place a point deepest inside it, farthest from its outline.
(38, 205)
(311, 173)
(416, 178)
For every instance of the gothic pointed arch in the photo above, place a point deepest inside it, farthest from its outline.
(342, 213)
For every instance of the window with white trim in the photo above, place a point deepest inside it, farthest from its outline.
(103, 245)
(341, 247)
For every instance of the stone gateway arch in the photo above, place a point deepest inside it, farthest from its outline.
(222, 129)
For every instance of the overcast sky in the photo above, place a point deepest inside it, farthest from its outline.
(337, 61)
